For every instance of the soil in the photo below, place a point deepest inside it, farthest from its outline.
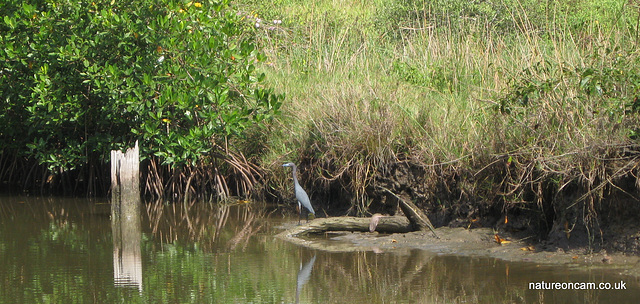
(476, 242)
(571, 218)
(575, 216)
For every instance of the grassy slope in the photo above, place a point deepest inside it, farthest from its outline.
(522, 101)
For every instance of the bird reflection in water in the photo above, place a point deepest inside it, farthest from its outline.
(303, 276)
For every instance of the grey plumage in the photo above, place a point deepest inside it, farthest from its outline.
(301, 195)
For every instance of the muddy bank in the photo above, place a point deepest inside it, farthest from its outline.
(522, 196)
(471, 242)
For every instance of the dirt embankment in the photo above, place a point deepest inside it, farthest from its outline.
(481, 242)
(555, 211)
(484, 242)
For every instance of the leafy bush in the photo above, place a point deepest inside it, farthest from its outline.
(80, 79)
(608, 83)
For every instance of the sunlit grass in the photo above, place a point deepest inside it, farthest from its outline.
(366, 85)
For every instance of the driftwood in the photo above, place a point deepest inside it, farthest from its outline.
(386, 224)
(415, 220)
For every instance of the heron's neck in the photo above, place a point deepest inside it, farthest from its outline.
(295, 175)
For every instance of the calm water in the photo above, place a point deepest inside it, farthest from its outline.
(71, 251)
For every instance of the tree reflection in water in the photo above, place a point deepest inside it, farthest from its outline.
(213, 226)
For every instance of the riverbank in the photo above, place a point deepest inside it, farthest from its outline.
(564, 210)
(515, 116)
(480, 242)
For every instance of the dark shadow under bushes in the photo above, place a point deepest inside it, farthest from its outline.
(26, 175)
(226, 174)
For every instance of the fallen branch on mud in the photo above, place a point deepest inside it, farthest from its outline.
(386, 224)
(415, 220)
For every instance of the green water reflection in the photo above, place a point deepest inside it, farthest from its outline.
(62, 251)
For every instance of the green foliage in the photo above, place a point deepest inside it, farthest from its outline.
(613, 80)
(80, 79)
(450, 15)
(507, 16)
(526, 87)
(458, 81)
(608, 84)
(432, 76)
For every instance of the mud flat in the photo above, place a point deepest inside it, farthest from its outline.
(471, 242)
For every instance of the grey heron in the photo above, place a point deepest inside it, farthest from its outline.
(301, 195)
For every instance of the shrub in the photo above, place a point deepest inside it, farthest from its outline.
(80, 79)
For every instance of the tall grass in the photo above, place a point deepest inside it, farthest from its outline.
(444, 82)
